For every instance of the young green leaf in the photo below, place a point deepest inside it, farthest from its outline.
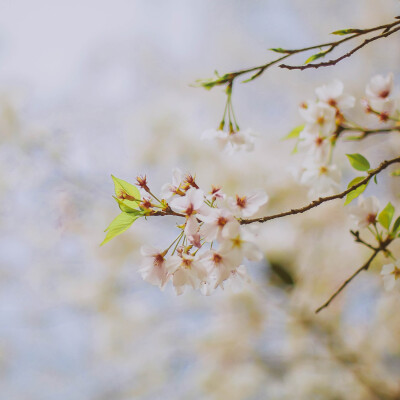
(346, 31)
(294, 133)
(386, 215)
(120, 224)
(396, 226)
(354, 181)
(315, 57)
(280, 50)
(127, 209)
(126, 192)
(358, 162)
(354, 194)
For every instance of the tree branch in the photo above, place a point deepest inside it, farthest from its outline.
(382, 247)
(321, 200)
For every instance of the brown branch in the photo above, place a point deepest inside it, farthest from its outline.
(382, 247)
(332, 62)
(228, 78)
(321, 200)
(359, 240)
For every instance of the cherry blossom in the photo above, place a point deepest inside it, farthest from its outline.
(170, 189)
(153, 268)
(391, 275)
(323, 179)
(232, 141)
(319, 117)
(237, 279)
(380, 87)
(332, 94)
(315, 146)
(186, 270)
(247, 206)
(220, 264)
(238, 240)
(215, 223)
(366, 211)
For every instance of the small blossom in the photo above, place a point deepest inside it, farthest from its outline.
(215, 223)
(315, 146)
(186, 270)
(323, 179)
(238, 240)
(332, 95)
(391, 275)
(231, 141)
(237, 279)
(142, 183)
(170, 189)
(366, 211)
(216, 194)
(220, 264)
(247, 206)
(319, 117)
(153, 268)
(380, 87)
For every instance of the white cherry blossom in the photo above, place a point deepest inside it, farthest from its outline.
(320, 118)
(186, 270)
(380, 87)
(323, 179)
(168, 190)
(365, 212)
(391, 276)
(247, 206)
(220, 264)
(238, 240)
(332, 95)
(153, 268)
(231, 142)
(315, 146)
(215, 223)
(237, 279)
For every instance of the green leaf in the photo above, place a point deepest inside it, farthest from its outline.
(294, 133)
(345, 31)
(358, 162)
(127, 209)
(315, 57)
(280, 50)
(375, 180)
(356, 180)
(396, 172)
(354, 194)
(396, 226)
(126, 192)
(386, 215)
(120, 224)
(353, 138)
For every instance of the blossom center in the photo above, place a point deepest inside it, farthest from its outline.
(217, 258)
(158, 260)
(384, 94)
(371, 218)
(241, 201)
(319, 140)
(323, 170)
(187, 263)
(222, 221)
(321, 120)
(190, 210)
(332, 102)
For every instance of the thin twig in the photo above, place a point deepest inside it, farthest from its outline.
(365, 266)
(348, 54)
(321, 200)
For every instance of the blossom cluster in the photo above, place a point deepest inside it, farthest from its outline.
(209, 250)
(326, 118)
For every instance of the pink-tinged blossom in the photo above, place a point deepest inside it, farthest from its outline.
(332, 95)
(216, 194)
(170, 189)
(380, 87)
(190, 205)
(238, 240)
(237, 279)
(231, 142)
(246, 206)
(320, 118)
(323, 179)
(215, 223)
(365, 212)
(153, 268)
(220, 264)
(315, 146)
(391, 276)
(186, 270)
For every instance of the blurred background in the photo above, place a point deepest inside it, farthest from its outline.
(93, 88)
